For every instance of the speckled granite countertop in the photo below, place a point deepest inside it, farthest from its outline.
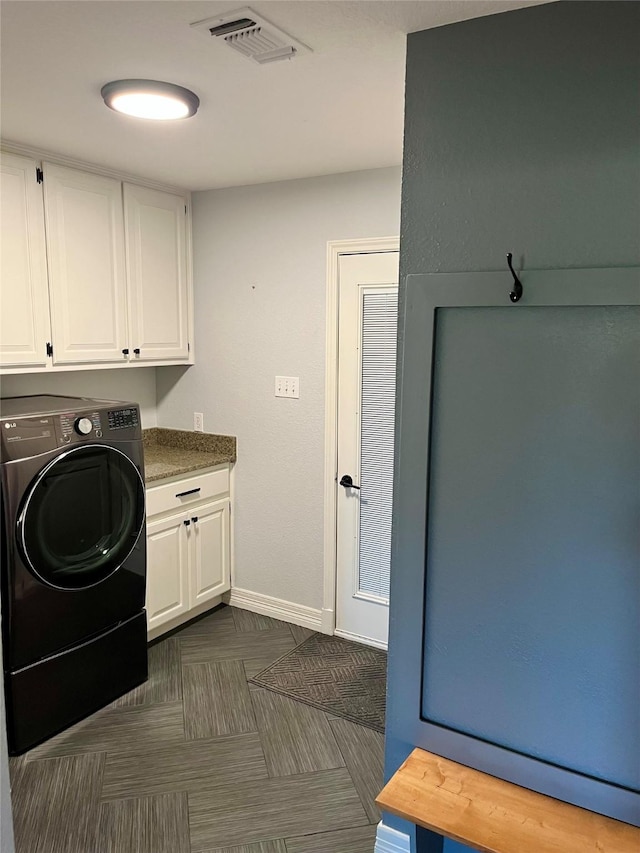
(170, 452)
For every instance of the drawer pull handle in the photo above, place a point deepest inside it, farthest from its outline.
(194, 519)
(186, 522)
(190, 492)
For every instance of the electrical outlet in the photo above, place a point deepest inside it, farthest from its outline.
(288, 386)
(198, 421)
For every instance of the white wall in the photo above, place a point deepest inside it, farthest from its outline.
(132, 386)
(260, 279)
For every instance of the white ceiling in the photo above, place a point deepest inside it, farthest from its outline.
(337, 109)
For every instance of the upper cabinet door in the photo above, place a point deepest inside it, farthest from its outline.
(156, 238)
(85, 236)
(24, 308)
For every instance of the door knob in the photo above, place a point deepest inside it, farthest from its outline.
(347, 482)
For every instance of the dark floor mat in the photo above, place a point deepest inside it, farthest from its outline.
(337, 676)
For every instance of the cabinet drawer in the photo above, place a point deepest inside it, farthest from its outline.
(181, 493)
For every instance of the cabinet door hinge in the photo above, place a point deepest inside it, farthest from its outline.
(39, 175)
(49, 349)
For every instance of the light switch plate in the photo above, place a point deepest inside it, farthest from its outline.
(288, 386)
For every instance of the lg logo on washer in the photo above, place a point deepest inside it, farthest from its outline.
(10, 426)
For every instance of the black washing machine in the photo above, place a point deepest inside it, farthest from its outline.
(73, 560)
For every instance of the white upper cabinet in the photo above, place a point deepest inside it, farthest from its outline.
(85, 238)
(24, 300)
(156, 255)
(94, 271)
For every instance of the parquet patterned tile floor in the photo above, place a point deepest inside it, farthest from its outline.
(199, 761)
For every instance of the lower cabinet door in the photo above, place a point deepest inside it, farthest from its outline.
(210, 543)
(167, 569)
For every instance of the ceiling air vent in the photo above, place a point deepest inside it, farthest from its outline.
(252, 36)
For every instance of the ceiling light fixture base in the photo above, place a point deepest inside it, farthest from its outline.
(150, 99)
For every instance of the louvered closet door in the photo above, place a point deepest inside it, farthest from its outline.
(366, 410)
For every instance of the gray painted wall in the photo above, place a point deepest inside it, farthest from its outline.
(521, 134)
(260, 287)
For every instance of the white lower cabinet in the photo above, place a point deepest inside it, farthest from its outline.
(167, 570)
(188, 554)
(210, 551)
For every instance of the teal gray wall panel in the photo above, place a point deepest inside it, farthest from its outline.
(522, 134)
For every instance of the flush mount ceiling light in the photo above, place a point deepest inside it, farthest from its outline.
(150, 99)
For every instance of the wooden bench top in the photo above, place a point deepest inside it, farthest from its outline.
(495, 816)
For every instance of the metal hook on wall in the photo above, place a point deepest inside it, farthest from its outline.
(516, 293)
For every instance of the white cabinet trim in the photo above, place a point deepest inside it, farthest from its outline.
(12, 147)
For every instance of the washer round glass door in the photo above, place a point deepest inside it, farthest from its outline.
(81, 517)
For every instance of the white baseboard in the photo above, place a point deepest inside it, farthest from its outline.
(356, 638)
(277, 608)
(327, 620)
(391, 840)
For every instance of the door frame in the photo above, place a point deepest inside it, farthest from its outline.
(336, 248)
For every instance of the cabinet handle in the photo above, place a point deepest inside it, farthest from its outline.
(125, 352)
(136, 351)
(190, 492)
(194, 519)
(186, 522)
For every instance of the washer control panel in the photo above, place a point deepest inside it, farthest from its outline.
(123, 418)
(24, 435)
(75, 426)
